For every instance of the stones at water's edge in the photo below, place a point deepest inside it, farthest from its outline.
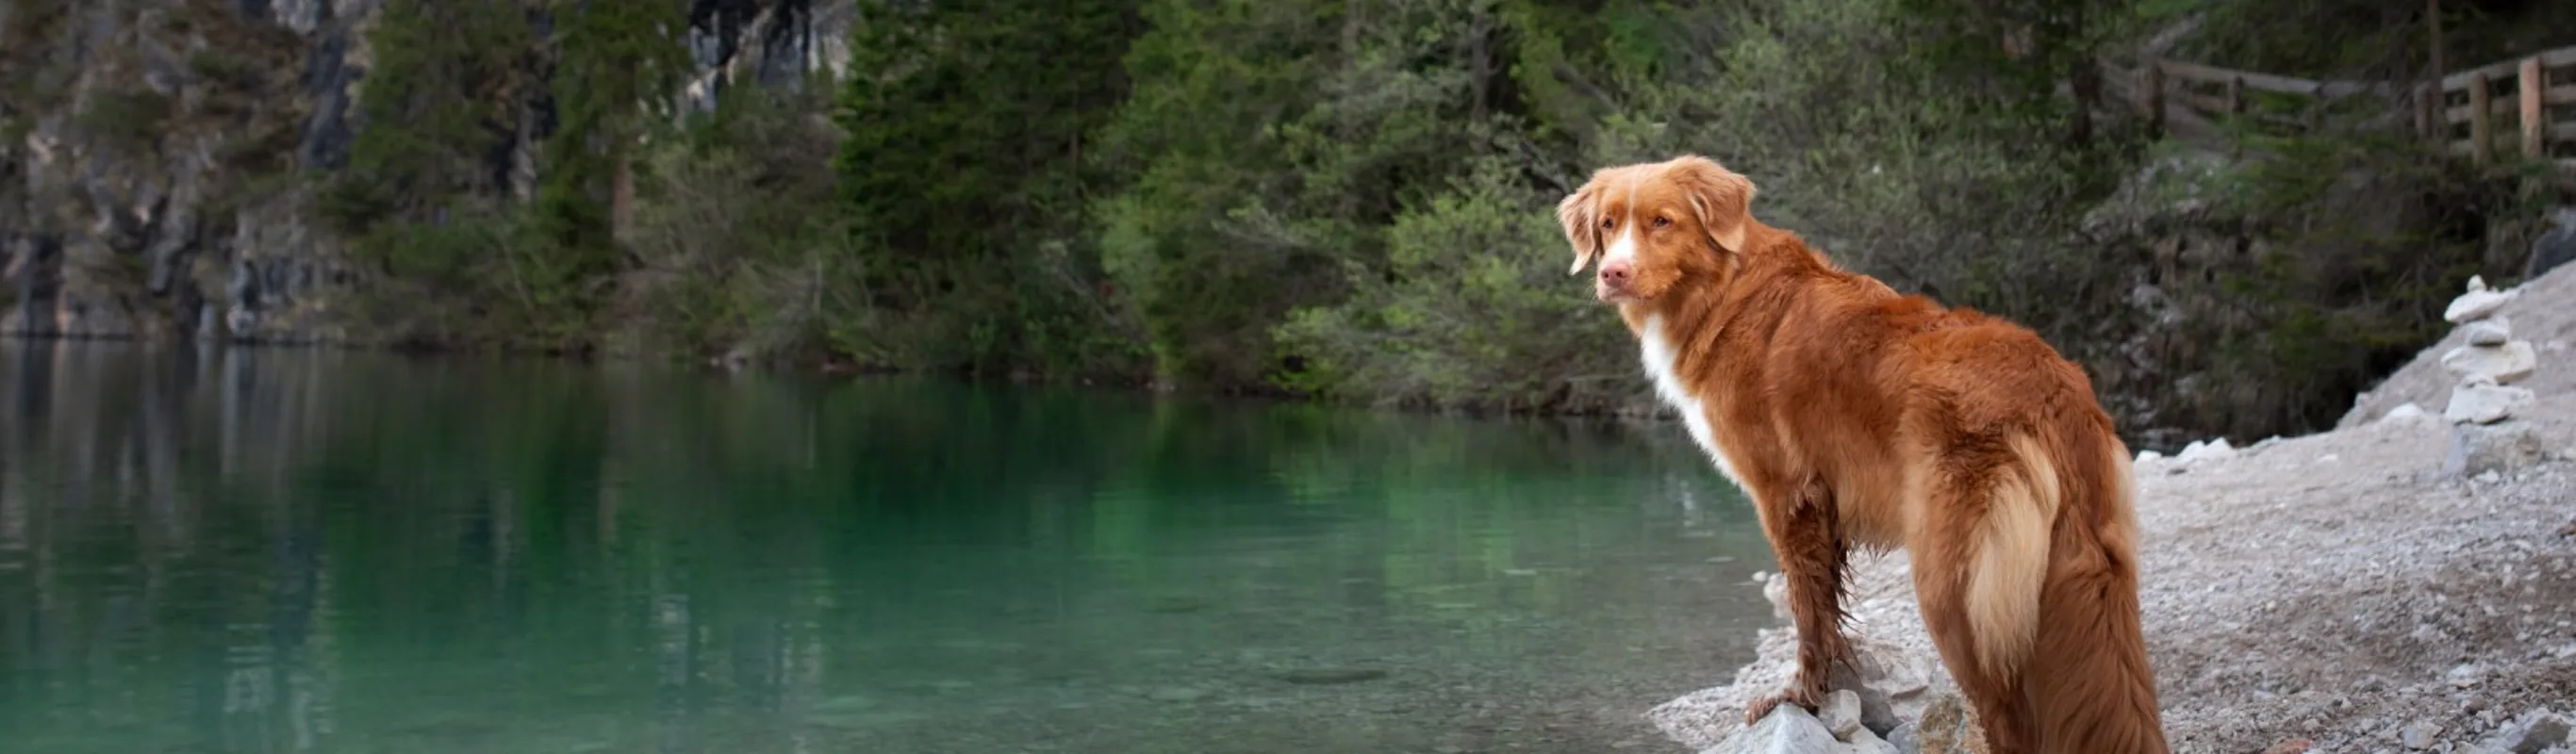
(1789, 729)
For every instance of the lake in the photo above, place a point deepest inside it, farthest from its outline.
(255, 550)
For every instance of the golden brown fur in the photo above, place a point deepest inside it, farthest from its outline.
(1856, 417)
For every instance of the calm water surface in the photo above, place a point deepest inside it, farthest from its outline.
(296, 551)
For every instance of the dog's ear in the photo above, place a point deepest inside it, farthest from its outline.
(1722, 197)
(1580, 213)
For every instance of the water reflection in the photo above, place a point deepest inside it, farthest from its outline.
(291, 551)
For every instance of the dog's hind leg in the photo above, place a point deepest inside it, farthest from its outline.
(1970, 557)
(1804, 535)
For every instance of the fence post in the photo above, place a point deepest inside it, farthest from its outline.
(2481, 133)
(2155, 86)
(2235, 95)
(2535, 125)
(2428, 102)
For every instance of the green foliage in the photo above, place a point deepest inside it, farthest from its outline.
(1347, 199)
(736, 240)
(131, 120)
(446, 92)
(1473, 309)
(964, 179)
(617, 65)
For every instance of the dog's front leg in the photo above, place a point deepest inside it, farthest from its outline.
(1799, 521)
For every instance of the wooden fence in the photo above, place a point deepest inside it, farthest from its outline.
(2528, 104)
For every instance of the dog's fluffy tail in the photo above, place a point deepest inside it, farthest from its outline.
(2053, 595)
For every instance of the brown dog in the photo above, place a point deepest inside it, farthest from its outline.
(1856, 417)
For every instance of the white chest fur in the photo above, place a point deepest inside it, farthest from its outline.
(1659, 357)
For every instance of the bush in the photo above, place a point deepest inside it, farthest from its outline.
(1474, 310)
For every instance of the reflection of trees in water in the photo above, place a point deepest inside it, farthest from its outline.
(277, 548)
(103, 508)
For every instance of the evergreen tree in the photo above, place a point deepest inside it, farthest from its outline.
(618, 65)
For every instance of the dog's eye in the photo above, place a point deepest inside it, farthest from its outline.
(1663, 221)
(1606, 222)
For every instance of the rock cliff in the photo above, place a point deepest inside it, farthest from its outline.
(157, 156)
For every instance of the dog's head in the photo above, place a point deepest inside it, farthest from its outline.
(1656, 224)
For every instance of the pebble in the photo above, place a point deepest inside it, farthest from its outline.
(1840, 713)
(2419, 735)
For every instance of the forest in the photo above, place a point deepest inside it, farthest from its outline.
(1351, 200)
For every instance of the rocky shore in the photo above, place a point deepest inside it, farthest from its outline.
(2405, 583)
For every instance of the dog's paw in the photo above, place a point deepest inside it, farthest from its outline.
(1760, 708)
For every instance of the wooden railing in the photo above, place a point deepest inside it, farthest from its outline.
(2529, 104)
(2533, 110)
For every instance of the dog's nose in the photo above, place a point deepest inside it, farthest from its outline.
(1615, 274)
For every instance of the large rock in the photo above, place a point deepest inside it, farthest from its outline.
(2504, 365)
(1787, 730)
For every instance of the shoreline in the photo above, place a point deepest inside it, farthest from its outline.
(1643, 409)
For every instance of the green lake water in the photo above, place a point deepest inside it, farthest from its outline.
(318, 551)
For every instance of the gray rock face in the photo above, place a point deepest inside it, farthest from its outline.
(180, 227)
